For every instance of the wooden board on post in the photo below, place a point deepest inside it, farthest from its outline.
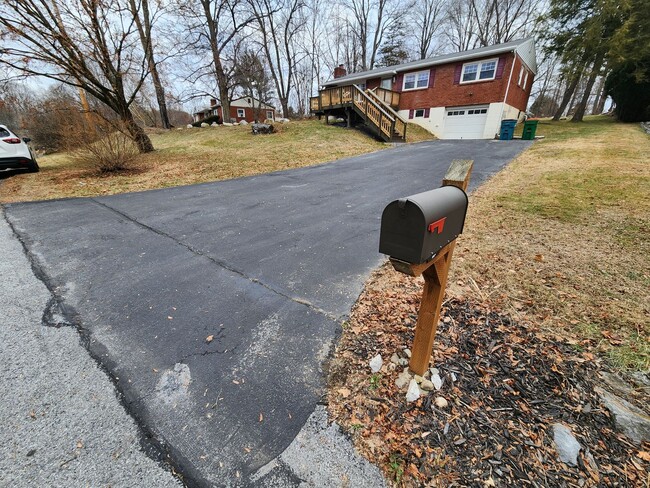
(435, 273)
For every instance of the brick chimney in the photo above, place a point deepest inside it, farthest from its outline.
(213, 102)
(340, 71)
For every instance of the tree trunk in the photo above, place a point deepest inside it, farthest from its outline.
(224, 96)
(568, 93)
(144, 29)
(601, 95)
(284, 102)
(136, 132)
(582, 106)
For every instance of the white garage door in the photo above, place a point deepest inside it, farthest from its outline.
(465, 122)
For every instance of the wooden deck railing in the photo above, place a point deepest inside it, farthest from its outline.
(400, 123)
(389, 97)
(375, 106)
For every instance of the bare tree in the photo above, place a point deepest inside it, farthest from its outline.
(477, 23)
(370, 21)
(213, 27)
(83, 43)
(427, 16)
(144, 25)
(460, 25)
(279, 22)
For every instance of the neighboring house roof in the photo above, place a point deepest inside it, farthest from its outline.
(248, 102)
(524, 47)
(245, 102)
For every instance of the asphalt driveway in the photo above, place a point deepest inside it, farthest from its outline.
(213, 306)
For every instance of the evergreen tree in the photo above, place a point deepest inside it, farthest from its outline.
(393, 50)
(629, 80)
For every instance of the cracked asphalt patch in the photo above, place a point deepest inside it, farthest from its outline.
(268, 266)
(62, 423)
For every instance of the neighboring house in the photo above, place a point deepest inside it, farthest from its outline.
(240, 109)
(463, 95)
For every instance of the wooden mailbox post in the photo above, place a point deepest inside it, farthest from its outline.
(435, 274)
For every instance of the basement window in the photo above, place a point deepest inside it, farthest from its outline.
(480, 71)
(241, 112)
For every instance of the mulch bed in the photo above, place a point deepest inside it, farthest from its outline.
(506, 384)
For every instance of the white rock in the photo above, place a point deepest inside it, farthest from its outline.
(376, 363)
(403, 379)
(441, 402)
(190, 126)
(436, 380)
(567, 446)
(394, 359)
(407, 352)
(283, 120)
(243, 122)
(413, 393)
(214, 124)
(418, 378)
(426, 385)
(227, 124)
(203, 124)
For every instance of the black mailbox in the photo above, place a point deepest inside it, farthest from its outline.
(415, 228)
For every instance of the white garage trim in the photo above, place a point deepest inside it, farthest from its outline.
(466, 122)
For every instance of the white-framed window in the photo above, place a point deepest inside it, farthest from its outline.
(419, 112)
(525, 80)
(241, 112)
(386, 83)
(479, 71)
(455, 112)
(269, 114)
(521, 75)
(416, 81)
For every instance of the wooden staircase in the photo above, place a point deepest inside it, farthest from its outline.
(373, 107)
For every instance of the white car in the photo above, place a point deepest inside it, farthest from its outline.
(15, 153)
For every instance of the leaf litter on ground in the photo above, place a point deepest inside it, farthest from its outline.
(504, 385)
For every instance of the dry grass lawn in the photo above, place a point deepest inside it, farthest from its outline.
(561, 238)
(188, 156)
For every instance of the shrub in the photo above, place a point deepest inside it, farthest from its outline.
(107, 149)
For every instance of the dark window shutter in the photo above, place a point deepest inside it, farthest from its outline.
(426, 112)
(411, 113)
(399, 79)
(432, 77)
(500, 67)
(459, 71)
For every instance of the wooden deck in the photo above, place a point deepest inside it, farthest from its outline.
(375, 107)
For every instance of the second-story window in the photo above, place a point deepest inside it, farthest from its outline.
(479, 71)
(414, 81)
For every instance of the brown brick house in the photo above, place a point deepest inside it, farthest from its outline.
(240, 109)
(462, 95)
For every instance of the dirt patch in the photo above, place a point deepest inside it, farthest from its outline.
(506, 383)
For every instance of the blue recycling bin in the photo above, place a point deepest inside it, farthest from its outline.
(507, 129)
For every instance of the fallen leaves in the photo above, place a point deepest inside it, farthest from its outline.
(504, 384)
